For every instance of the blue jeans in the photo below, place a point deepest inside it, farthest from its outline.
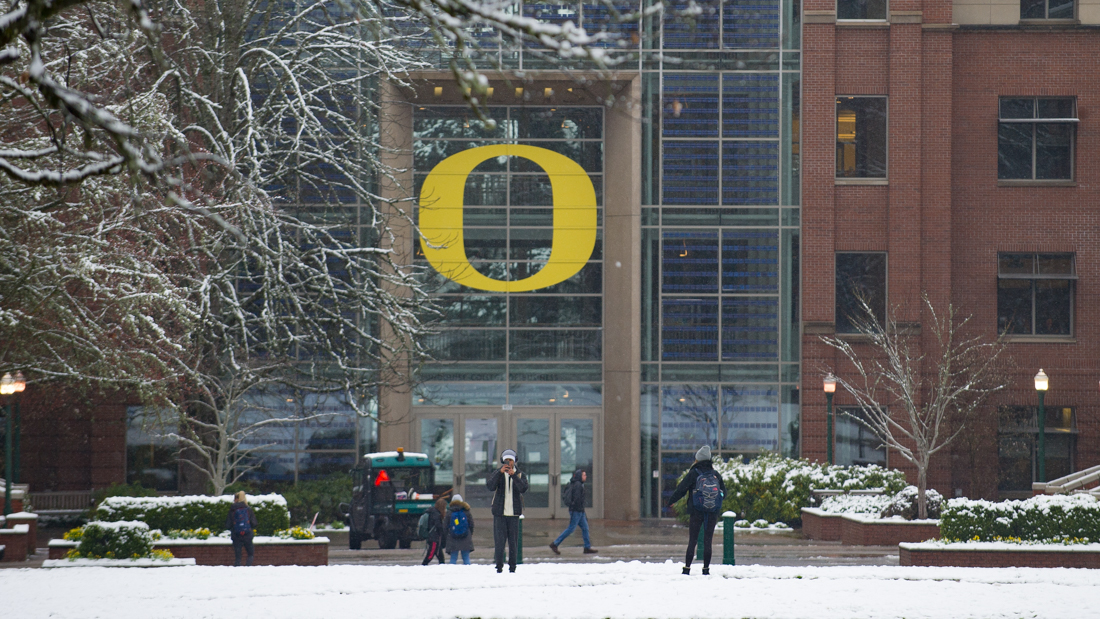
(575, 519)
(465, 557)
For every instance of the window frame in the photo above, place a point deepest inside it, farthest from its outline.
(885, 289)
(1035, 122)
(865, 437)
(1034, 277)
(885, 147)
(884, 19)
(1029, 432)
(1046, 13)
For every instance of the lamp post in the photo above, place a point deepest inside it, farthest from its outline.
(829, 384)
(1042, 381)
(9, 386)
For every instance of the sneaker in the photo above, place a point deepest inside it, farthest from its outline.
(499, 570)
(706, 571)
(590, 551)
(687, 571)
(554, 547)
(511, 570)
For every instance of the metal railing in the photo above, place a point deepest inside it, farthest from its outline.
(61, 502)
(1074, 482)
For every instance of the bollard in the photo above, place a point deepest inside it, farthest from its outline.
(727, 538)
(699, 542)
(519, 544)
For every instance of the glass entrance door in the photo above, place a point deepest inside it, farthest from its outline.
(550, 447)
(464, 464)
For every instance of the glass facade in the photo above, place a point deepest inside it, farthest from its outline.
(720, 237)
(721, 227)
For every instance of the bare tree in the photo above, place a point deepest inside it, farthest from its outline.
(917, 403)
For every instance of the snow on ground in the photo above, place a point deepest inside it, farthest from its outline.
(626, 590)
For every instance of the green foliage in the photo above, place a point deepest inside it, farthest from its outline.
(134, 489)
(114, 540)
(194, 512)
(1041, 518)
(774, 488)
(295, 533)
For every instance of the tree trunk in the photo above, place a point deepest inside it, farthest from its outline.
(922, 486)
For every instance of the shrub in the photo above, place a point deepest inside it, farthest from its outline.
(1038, 519)
(307, 497)
(774, 488)
(856, 503)
(194, 512)
(114, 540)
(295, 533)
(904, 504)
(203, 533)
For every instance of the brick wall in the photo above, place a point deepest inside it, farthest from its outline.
(819, 525)
(222, 554)
(16, 540)
(855, 531)
(998, 558)
(943, 217)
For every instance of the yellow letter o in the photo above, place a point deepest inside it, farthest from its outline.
(441, 228)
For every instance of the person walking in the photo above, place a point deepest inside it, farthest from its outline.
(460, 530)
(705, 490)
(573, 496)
(436, 532)
(508, 485)
(241, 524)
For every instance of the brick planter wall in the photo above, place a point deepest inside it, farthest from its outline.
(919, 555)
(17, 540)
(206, 552)
(31, 520)
(820, 525)
(859, 531)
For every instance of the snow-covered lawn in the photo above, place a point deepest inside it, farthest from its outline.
(642, 590)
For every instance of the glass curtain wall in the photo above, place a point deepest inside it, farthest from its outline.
(720, 323)
(538, 348)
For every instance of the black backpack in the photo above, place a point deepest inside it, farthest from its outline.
(567, 494)
(707, 495)
(242, 523)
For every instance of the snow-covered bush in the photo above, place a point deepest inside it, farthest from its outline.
(774, 488)
(194, 512)
(1040, 518)
(904, 504)
(113, 540)
(856, 503)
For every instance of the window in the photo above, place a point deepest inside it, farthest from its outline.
(860, 278)
(152, 458)
(1035, 294)
(1046, 9)
(1017, 449)
(862, 9)
(1035, 139)
(855, 444)
(861, 137)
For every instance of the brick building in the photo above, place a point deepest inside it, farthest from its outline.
(949, 149)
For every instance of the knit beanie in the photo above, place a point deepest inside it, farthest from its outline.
(703, 454)
(508, 454)
(456, 498)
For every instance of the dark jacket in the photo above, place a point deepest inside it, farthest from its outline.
(495, 482)
(575, 490)
(435, 525)
(463, 543)
(251, 518)
(687, 484)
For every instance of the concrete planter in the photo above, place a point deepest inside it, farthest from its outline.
(995, 554)
(219, 551)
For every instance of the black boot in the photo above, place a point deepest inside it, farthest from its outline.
(554, 547)
(706, 571)
(687, 571)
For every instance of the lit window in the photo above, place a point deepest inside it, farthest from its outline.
(861, 137)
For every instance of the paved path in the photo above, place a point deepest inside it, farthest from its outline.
(649, 541)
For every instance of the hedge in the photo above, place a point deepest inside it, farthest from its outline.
(194, 512)
(774, 488)
(114, 540)
(1039, 519)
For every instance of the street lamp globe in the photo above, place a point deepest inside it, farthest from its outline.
(1042, 381)
(7, 384)
(20, 382)
(829, 383)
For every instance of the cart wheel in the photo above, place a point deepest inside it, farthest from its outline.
(387, 541)
(354, 541)
(406, 543)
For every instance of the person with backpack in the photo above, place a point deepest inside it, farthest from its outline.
(241, 524)
(430, 528)
(573, 497)
(705, 490)
(508, 485)
(460, 530)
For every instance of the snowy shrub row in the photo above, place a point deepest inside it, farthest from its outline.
(773, 488)
(194, 512)
(1040, 518)
(115, 540)
(903, 503)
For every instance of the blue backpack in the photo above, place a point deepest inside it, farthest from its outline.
(458, 525)
(707, 495)
(242, 523)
